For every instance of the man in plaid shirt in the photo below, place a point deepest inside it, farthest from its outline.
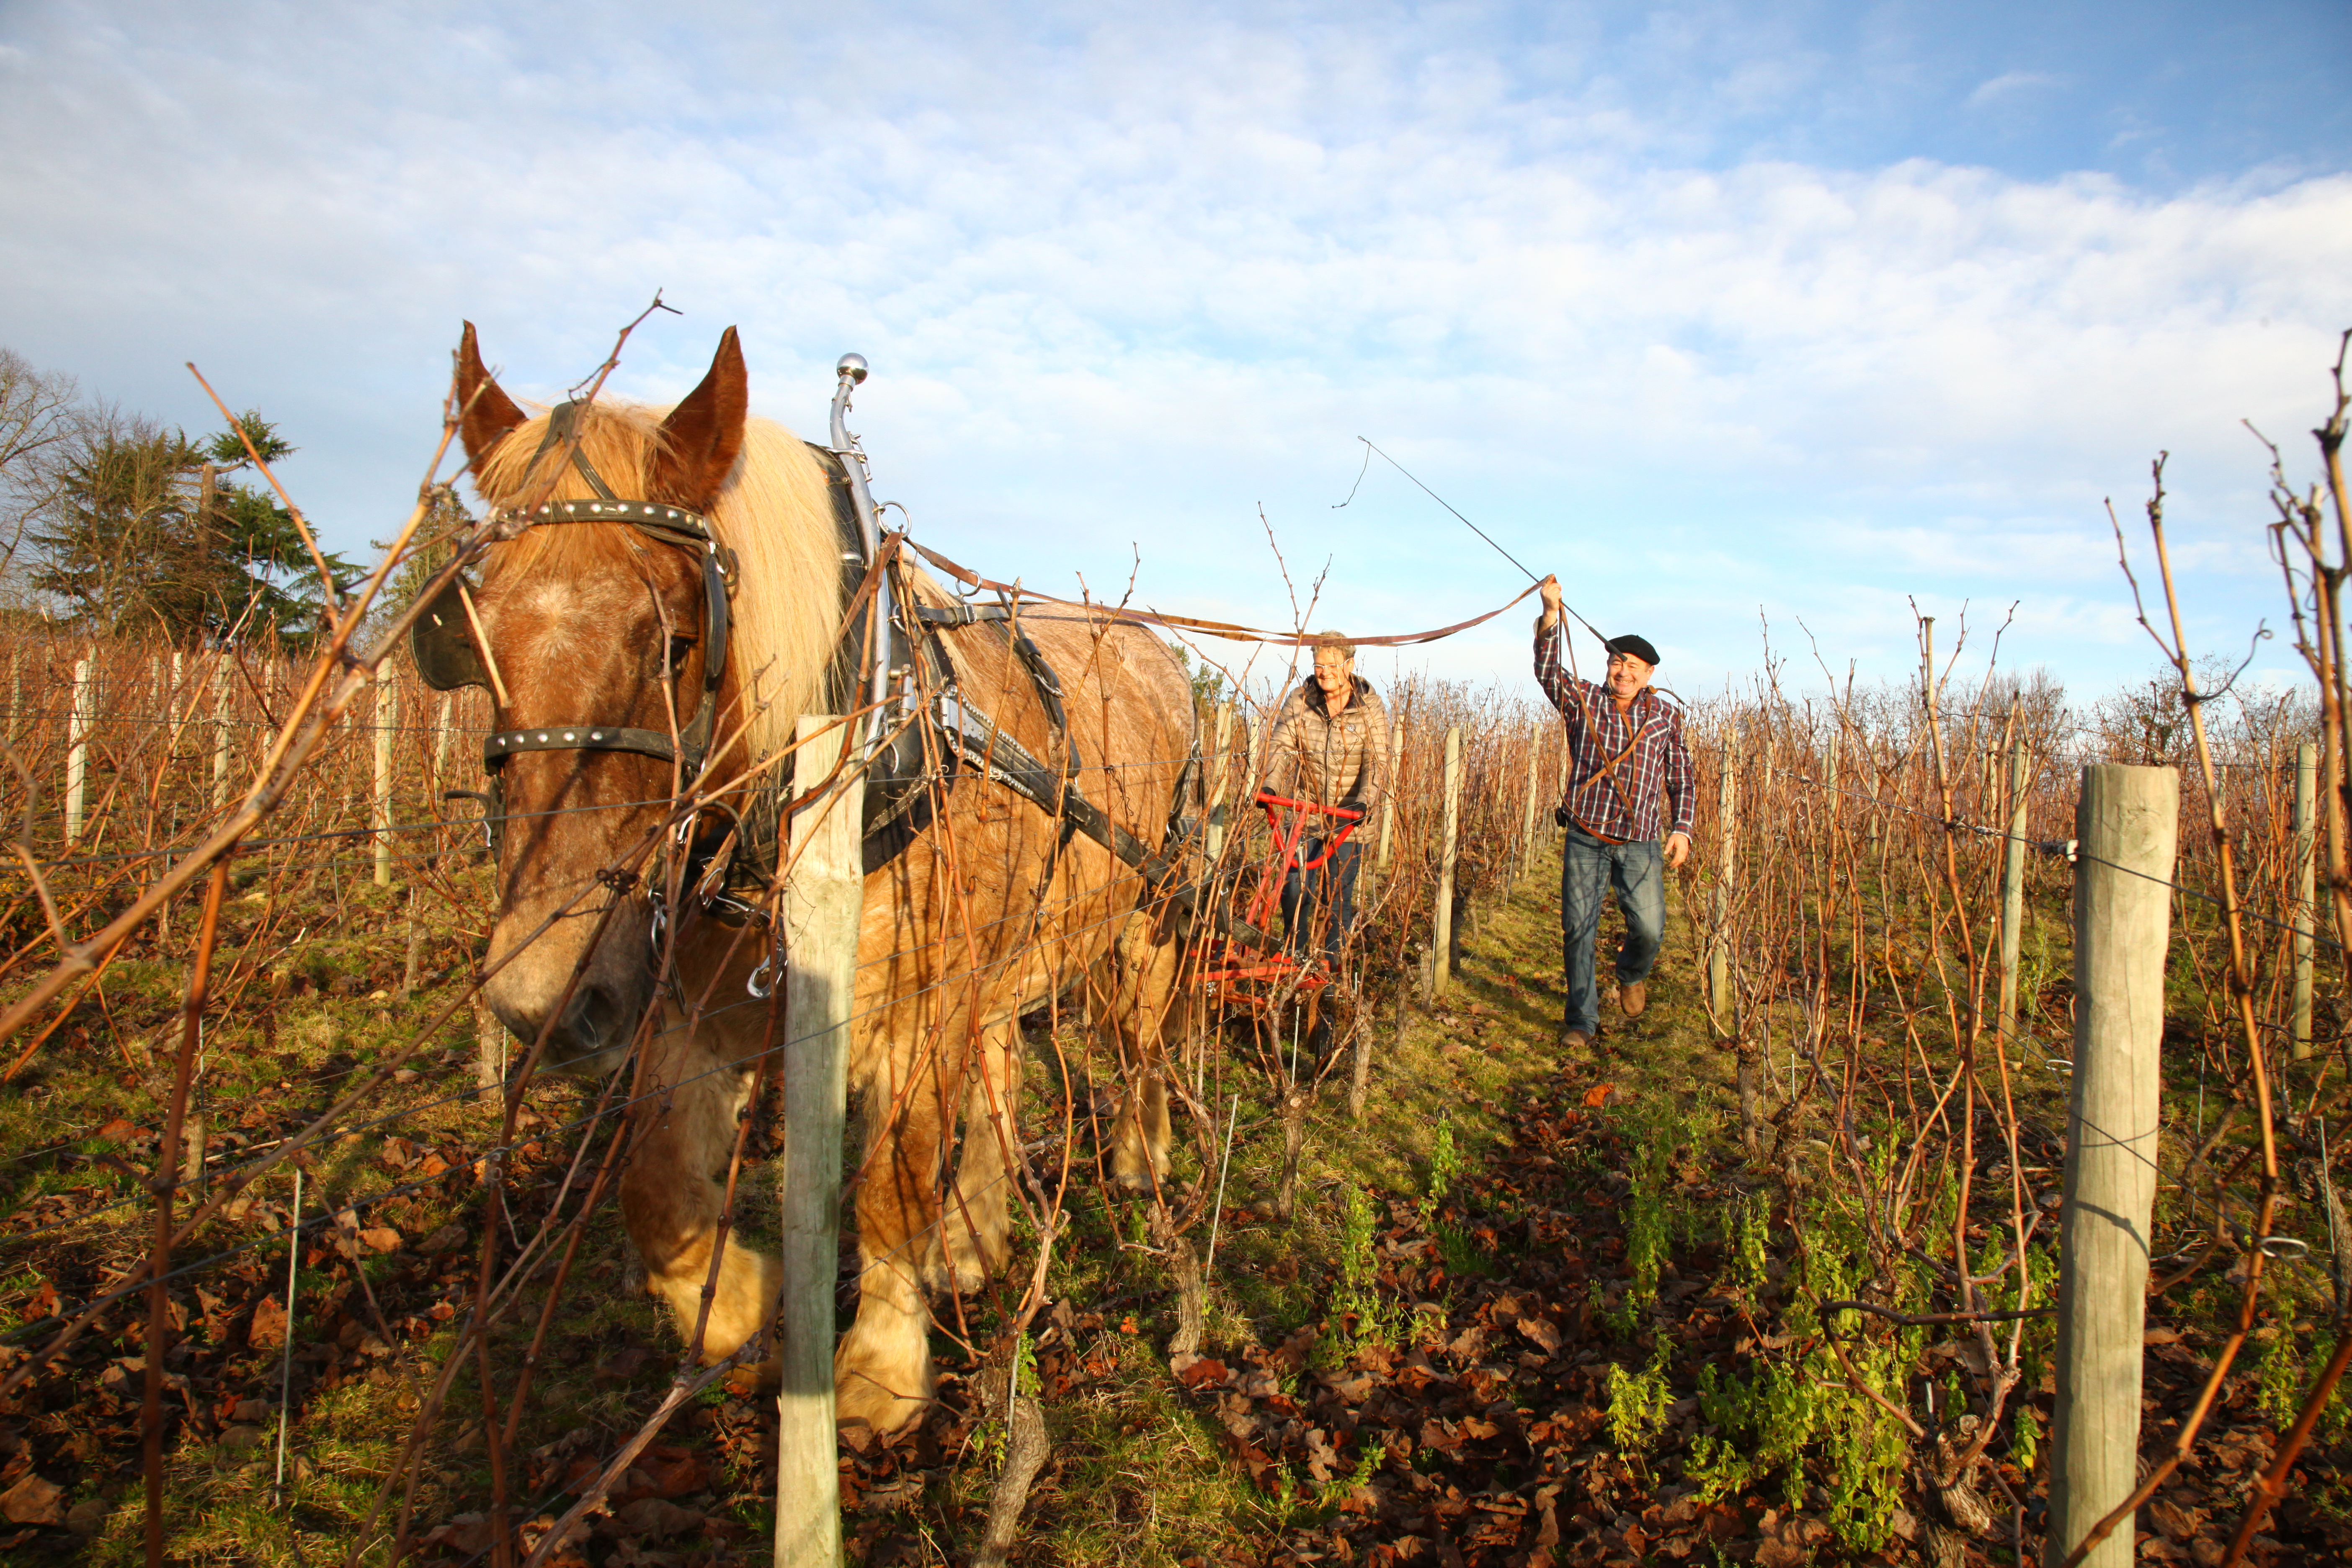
(1629, 776)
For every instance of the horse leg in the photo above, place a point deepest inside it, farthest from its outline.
(1143, 986)
(882, 1370)
(673, 1185)
(977, 1217)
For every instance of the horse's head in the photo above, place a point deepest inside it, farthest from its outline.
(586, 629)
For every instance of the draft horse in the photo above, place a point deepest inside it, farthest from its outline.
(669, 599)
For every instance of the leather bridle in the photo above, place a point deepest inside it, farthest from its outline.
(443, 638)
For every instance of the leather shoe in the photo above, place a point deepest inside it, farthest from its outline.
(1574, 1042)
(1633, 995)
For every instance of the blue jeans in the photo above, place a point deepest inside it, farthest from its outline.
(1328, 893)
(1588, 870)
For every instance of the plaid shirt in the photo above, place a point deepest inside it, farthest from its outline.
(1646, 744)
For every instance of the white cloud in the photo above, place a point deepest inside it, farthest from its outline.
(2009, 84)
(1123, 278)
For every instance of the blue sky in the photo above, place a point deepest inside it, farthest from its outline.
(1723, 313)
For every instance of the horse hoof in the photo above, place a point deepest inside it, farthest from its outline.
(861, 1399)
(970, 1265)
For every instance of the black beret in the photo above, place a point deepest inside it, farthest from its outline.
(1638, 647)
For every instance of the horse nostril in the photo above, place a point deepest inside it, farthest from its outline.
(585, 1020)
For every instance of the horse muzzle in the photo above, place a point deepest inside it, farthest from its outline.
(588, 1031)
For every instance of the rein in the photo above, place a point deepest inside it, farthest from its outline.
(1226, 630)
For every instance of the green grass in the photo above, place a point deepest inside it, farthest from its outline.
(1140, 1474)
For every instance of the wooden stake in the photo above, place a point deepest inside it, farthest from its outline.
(1718, 952)
(78, 751)
(387, 719)
(1441, 953)
(286, 1353)
(2306, 793)
(1388, 796)
(220, 735)
(2012, 893)
(1212, 839)
(490, 1046)
(823, 910)
(1526, 823)
(2127, 823)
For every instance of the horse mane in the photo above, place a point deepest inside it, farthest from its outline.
(775, 512)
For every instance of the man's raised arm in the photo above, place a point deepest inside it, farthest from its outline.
(1555, 685)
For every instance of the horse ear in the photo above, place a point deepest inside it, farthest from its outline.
(486, 414)
(703, 434)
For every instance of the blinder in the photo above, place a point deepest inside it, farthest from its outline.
(448, 657)
(442, 644)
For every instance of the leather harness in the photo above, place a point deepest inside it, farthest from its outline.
(903, 790)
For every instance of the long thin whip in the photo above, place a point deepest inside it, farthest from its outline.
(1473, 526)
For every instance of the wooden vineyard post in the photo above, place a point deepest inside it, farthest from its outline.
(490, 1046)
(1388, 796)
(441, 737)
(822, 909)
(1442, 950)
(220, 735)
(1250, 780)
(1213, 835)
(387, 719)
(1526, 822)
(2306, 793)
(2127, 823)
(78, 751)
(1718, 952)
(1870, 756)
(2012, 893)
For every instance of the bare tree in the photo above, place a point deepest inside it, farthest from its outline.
(41, 411)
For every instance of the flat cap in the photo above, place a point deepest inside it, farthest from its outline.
(1638, 647)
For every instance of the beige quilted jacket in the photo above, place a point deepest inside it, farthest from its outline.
(1315, 756)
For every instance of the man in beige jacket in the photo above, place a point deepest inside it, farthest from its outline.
(1329, 747)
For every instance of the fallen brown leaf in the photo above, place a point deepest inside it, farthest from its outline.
(653, 1517)
(32, 1500)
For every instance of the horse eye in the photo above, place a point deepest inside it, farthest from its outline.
(679, 649)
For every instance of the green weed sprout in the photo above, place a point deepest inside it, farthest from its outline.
(2280, 1398)
(1444, 1163)
(1637, 1404)
(1358, 1293)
